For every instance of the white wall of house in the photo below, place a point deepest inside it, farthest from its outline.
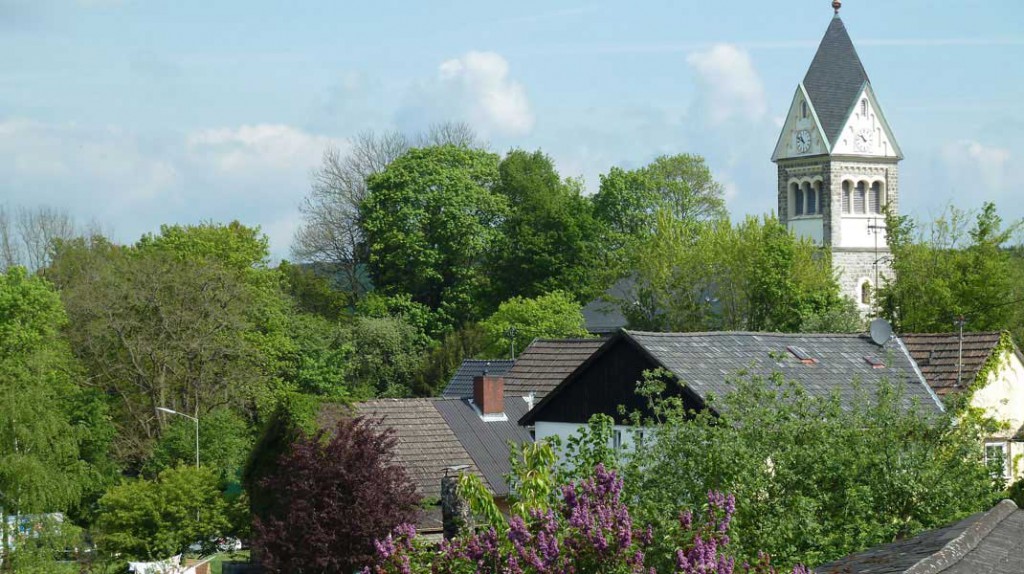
(1003, 398)
(625, 435)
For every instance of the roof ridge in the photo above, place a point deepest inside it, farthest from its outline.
(968, 540)
(748, 333)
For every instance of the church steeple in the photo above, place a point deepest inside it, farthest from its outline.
(837, 159)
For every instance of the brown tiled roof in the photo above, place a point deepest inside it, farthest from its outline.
(936, 354)
(426, 444)
(546, 362)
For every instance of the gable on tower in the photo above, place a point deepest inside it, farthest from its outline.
(835, 106)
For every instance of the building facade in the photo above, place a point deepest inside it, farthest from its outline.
(838, 165)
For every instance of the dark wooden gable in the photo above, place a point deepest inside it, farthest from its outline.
(601, 385)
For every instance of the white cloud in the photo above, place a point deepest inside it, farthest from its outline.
(133, 182)
(730, 85)
(976, 166)
(475, 88)
(249, 148)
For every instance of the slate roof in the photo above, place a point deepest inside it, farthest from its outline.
(936, 354)
(985, 543)
(705, 361)
(487, 442)
(835, 79)
(546, 363)
(461, 383)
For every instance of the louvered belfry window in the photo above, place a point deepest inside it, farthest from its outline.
(798, 199)
(859, 197)
(876, 197)
(812, 196)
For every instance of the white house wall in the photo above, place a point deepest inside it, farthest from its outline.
(565, 431)
(1003, 399)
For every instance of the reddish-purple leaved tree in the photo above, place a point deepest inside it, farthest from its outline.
(331, 499)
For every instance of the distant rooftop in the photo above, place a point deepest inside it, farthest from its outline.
(546, 363)
(461, 383)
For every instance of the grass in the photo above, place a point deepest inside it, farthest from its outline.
(215, 563)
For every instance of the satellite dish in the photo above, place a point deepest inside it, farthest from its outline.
(881, 331)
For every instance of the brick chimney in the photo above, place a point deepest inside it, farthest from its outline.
(488, 394)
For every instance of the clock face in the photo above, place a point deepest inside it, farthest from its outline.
(864, 140)
(803, 141)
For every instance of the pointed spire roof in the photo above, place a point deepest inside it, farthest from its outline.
(835, 79)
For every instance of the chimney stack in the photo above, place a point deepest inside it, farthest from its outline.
(488, 394)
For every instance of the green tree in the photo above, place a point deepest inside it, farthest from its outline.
(314, 293)
(754, 276)
(428, 220)
(386, 356)
(156, 519)
(518, 321)
(813, 480)
(225, 440)
(681, 185)
(550, 239)
(950, 268)
(50, 457)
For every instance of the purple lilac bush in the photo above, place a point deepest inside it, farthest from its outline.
(589, 530)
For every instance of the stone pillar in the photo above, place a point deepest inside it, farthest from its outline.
(455, 515)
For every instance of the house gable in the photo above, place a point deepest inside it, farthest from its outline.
(601, 385)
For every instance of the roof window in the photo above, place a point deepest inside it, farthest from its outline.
(802, 355)
(875, 362)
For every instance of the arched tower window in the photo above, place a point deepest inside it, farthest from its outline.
(798, 199)
(859, 197)
(819, 196)
(865, 293)
(803, 109)
(812, 199)
(847, 200)
(876, 197)
(863, 107)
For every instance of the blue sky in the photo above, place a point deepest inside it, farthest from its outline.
(133, 113)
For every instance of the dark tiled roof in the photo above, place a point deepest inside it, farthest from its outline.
(461, 384)
(936, 354)
(487, 442)
(835, 79)
(986, 543)
(546, 363)
(705, 361)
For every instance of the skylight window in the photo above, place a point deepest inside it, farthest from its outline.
(875, 362)
(802, 355)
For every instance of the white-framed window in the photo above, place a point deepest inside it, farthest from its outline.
(997, 458)
(617, 440)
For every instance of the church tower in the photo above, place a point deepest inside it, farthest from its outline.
(838, 165)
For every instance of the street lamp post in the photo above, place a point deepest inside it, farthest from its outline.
(194, 419)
